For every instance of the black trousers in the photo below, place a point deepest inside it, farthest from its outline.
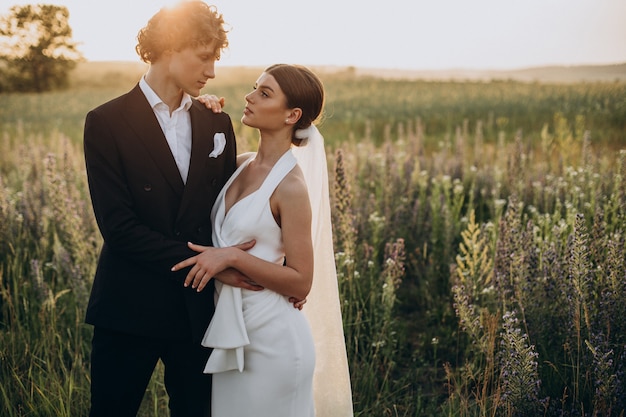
(122, 365)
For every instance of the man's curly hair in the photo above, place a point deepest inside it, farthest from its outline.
(187, 24)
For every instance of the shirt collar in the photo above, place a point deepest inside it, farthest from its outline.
(154, 99)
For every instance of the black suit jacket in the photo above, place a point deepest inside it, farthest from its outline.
(146, 214)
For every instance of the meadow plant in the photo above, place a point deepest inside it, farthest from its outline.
(473, 290)
(519, 379)
(554, 265)
(41, 330)
(368, 286)
(479, 238)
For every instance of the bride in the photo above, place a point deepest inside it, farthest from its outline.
(269, 359)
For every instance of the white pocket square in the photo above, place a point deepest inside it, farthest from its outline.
(219, 142)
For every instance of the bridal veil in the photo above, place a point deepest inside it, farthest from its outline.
(332, 390)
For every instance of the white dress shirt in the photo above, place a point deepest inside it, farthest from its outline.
(176, 126)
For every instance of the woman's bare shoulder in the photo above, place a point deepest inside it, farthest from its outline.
(293, 185)
(243, 157)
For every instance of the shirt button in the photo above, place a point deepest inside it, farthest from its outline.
(147, 187)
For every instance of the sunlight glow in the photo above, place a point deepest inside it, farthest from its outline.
(446, 34)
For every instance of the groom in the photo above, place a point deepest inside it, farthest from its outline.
(156, 160)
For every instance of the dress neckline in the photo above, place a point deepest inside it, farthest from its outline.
(239, 171)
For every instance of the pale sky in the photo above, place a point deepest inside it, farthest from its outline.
(402, 34)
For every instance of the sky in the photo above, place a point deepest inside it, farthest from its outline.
(394, 34)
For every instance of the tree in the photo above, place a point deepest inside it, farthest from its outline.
(36, 48)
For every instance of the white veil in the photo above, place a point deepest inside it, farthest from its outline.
(333, 393)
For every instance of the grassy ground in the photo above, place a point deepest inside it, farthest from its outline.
(479, 237)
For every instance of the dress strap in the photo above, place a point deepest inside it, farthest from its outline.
(279, 171)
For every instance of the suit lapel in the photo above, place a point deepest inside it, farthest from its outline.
(144, 123)
(202, 133)
(203, 128)
(201, 144)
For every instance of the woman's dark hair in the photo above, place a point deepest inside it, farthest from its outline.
(303, 89)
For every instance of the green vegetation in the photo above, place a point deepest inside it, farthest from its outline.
(36, 48)
(479, 235)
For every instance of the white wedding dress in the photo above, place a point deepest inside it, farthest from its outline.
(264, 355)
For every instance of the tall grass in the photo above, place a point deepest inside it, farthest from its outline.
(504, 304)
(48, 242)
(479, 238)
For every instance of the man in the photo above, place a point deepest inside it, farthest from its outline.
(156, 160)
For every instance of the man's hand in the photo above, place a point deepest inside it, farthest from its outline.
(299, 304)
(212, 102)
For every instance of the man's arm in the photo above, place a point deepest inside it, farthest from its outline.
(123, 232)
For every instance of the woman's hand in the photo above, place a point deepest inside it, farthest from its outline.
(212, 102)
(209, 262)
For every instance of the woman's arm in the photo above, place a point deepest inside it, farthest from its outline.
(290, 205)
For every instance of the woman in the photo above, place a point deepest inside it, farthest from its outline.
(263, 355)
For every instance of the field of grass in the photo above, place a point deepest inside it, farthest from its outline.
(479, 228)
